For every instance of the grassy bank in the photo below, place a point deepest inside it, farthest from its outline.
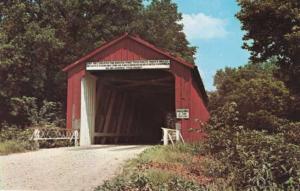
(260, 162)
(15, 140)
(169, 168)
(8, 147)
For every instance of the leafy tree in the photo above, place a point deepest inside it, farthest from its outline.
(263, 102)
(273, 30)
(160, 25)
(39, 38)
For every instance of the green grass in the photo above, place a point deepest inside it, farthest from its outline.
(162, 168)
(8, 147)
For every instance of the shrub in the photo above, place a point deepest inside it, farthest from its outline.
(147, 183)
(14, 140)
(15, 133)
(259, 161)
(27, 111)
(291, 132)
(263, 120)
(22, 137)
(8, 147)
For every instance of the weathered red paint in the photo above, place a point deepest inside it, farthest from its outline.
(189, 90)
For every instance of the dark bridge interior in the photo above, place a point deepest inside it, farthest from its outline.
(132, 105)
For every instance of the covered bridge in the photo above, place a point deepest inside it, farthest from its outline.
(123, 91)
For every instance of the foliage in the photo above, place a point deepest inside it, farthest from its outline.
(253, 129)
(138, 182)
(263, 102)
(291, 132)
(138, 174)
(160, 24)
(14, 133)
(8, 147)
(26, 109)
(39, 38)
(259, 161)
(14, 140)
(21, 137)
(273, 30)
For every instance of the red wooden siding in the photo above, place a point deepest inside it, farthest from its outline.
(74, 95)
(127, 49)
(187, 92)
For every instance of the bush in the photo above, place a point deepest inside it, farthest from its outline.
(145, 182)
(8, 147)
(14, 140)
(263, 120)
(291, 132)
(258, 160)
(22, 137)
(14, 133)
(26, 111)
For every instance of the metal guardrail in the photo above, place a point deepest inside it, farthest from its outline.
(171, 135)
(40, 134)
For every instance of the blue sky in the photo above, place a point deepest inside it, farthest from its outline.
(212, 27)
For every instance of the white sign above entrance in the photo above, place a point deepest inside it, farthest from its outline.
(128, 65)
(182, 113)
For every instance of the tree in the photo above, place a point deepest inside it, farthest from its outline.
(38, 38)
(273, 31)
(258, 94)
(160, 26)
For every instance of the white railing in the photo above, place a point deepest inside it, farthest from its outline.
(171, 135)
(40, 134)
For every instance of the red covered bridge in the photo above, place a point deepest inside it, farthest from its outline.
(123, 90)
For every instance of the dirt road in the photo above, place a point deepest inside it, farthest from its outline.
(76, 168)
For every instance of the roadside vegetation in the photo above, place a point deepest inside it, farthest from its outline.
(252, 141)
(15, 138)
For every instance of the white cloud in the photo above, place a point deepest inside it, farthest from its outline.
(201, 26)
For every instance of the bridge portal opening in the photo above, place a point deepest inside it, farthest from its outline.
(132, 106)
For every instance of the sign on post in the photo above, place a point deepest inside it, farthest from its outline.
(182, 113)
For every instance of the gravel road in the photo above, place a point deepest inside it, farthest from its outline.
(73, 168)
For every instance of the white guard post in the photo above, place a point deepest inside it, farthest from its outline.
(87, 116)
(172, 135)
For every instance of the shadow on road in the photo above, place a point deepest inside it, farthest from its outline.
(119, 147)
(129, 148)
(93, 147)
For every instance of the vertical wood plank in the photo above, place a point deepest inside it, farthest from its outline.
(130, 121)
(121, 117)
(109, 115)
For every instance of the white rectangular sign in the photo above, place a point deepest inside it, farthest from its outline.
(182, 113)
(128, 65)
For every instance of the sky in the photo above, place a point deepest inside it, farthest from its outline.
(211, 26)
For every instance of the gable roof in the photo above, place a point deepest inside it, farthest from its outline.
(193, 67)
(134, 38)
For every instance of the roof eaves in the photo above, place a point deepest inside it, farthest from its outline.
(200, 84)
(151, 46)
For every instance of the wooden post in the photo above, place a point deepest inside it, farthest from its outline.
(76, 135)
(178, 127)
(130, 121)
(103, 110)
(121, 117)
(109, 114)
(165, 136)
(87, 109)
(36, 136)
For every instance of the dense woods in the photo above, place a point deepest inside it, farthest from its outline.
(39, 38)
